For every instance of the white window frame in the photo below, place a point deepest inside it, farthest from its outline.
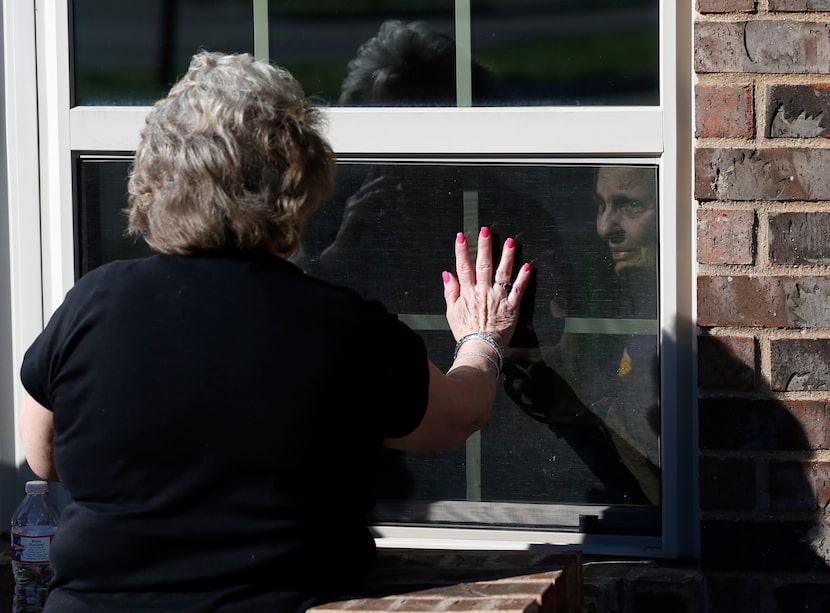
(43, 131)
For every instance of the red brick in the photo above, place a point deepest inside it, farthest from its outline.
(445, 580)
(492, 589)
(725, 236)
(663, 590)
(813, 417)
(726, 363)
(799, 6)
(798, 111)
(782, 174)
(412, 603)
(800, 364)
(762, 46)
(725, 6)
(724, 111)
(820, 473)
(764, 546)
(779, 301)
(740, 301)
(802, 595)
(799, 486)
(733, 594)
(763, 424)
(800, 238)
(727, 484)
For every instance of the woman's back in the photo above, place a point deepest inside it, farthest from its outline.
(201, 476)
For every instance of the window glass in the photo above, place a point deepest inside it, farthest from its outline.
(99, 213)
(401, 52)
(526, 52)
(386, 52)
(130, 53)
(585, 52)
(577, 419)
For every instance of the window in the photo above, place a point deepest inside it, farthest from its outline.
(577, 422)
(519, 52)
(553, 122)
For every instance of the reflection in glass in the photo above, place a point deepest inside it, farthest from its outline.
(130, 53)
(578, 418)
(600, 52)
(101, 223)
(317, 41)
(591, 52)
(406, 52)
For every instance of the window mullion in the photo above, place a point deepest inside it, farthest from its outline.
(463, 54)
(261, 29)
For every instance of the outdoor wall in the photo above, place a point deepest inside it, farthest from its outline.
(762, 183)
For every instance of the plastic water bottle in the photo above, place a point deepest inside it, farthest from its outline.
(33, 526)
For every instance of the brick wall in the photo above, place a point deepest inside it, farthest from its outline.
(762, 184)
(422, 580)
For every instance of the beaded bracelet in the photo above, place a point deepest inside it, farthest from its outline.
(486, 357)
(486, 338)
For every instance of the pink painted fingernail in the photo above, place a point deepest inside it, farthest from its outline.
(510, 243)
(445, 276)
(526, 267)
(459, 238)
(485, 231)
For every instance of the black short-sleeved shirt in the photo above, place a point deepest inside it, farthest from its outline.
(217, 421)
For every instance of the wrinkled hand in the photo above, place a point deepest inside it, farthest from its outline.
(479, 300)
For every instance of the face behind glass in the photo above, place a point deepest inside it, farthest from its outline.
(627, 215)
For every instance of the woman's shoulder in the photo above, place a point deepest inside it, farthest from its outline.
(111, 274)
(117, 267)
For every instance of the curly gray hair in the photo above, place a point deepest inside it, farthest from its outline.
(232, 157)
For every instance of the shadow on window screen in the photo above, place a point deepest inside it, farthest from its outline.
(577, 419)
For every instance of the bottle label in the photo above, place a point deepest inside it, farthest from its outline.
(33, 549)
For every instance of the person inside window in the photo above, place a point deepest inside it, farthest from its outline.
(606, 406)
(214, 413)
(626, 199)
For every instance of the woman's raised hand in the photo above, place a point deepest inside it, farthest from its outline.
(482, 310)
(479, 299)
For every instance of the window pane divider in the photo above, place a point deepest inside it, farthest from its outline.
(260, 13)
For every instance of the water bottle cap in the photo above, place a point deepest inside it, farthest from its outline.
(37, 487)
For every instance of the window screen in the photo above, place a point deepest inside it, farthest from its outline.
(577, 420)
(573, 442)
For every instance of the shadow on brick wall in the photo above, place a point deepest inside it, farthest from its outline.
(765, 537)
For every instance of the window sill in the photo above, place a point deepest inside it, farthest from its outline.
(435, 580)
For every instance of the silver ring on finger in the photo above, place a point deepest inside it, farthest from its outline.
(507, 287)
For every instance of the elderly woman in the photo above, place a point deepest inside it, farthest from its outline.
(214, 413)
